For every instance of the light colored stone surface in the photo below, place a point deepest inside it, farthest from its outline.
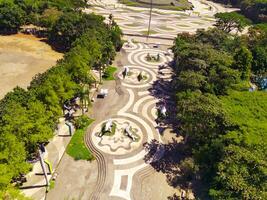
(165, 23)
(140, 108)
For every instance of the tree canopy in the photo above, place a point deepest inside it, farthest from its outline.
(231, 21)
(223, 123)
(29, 117)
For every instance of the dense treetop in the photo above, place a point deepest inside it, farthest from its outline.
(256, 10)
(224, 124)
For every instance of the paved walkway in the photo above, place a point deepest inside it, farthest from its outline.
(164, 23)
(121, 166)
(35, 187)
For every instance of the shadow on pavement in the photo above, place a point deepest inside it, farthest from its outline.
(33, 186)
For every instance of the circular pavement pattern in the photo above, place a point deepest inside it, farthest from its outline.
(119, 143)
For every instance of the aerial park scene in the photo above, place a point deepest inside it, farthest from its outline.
(133, 99)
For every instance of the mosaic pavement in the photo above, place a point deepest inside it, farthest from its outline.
(117, 155)
(165, 23)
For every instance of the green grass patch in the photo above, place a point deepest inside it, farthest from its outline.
(133, 24)
(109, 73)
(77, 148)
(107, 133)
(166, 28)
(51, 185)
(183, 25)
(247, 110)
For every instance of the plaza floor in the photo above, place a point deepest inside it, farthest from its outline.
(164, 23)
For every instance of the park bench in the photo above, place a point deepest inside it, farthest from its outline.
(103, 93)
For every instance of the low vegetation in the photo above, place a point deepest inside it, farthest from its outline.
(77, 148)
(252, 9)
(109, 73)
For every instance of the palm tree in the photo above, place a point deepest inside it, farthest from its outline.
(84, 97)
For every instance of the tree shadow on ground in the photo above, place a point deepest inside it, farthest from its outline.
(162, 89)
(176, 162)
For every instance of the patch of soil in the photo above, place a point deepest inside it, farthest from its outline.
(21, 57)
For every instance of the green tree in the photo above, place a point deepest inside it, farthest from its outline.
(72, 25)
(49, 17)
(190, 80)
(116, 36)
(259, 63)
(11, 17)
(32, 125)
(231, 21)
(12, 159)
(12, 193)
(242, 174)
(195, 108)
(243, 59)
(54, 95)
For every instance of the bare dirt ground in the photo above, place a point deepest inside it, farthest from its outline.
(21, 57)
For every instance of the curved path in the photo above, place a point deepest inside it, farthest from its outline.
(121, 166)
(165, 23)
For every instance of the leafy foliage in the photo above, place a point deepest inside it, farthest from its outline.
(82, 122)
(231, 21)
(11, 17)
(252, 9)
(29, 117)
(223, 124)
(109, 73)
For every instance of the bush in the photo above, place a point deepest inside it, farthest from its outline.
(11, 17)
(82, 122)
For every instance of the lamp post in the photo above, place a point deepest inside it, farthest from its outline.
(41, 152)
(150, 16)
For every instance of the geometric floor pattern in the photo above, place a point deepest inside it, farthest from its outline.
(140, 112)
(164, 23)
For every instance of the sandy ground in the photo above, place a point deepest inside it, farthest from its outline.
(21, 57)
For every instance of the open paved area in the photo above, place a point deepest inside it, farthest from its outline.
(165, 23)
(122, 171)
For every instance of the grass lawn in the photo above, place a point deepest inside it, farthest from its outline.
(77, 148)
(109, 73)
(248, 111)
